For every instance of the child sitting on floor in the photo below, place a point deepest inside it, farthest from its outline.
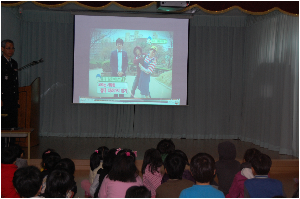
(203, 170)
(174, 167)
(186, 174)
(123, 175)
(261, 186)
(59, 183)
(165, 147)
(138, 192)
(237, 187)
(151, 170)
(96, 161)
(226, 166)
(68, 165)
(8, 168)
(28, 181)
(20, 162)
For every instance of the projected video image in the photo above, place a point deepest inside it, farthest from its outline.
(130, 63)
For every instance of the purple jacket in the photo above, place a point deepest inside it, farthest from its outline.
(237, 187)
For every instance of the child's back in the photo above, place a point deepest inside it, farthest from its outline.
(227, 166)
(261, 186)
(8, 168)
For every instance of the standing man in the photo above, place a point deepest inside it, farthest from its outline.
(118, 61)
(9, 85)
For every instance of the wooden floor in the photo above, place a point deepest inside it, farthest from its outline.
(285, 167)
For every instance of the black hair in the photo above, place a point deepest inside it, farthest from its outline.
(138, 192)
(50, 159)
(102, 151)
(184, 156)
(165, 146)
(124, 168)
(250, 153)
(97, 156)
(67, 164)
(119, 41)
(8, 155)
(203, 167)
(153, 158)
(261, 164)
(58, 183)
(175, 165)
(3, 43)
(45, 154)
(108, 159)
(27, 181)
(18, 149)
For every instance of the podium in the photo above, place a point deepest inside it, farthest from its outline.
(29, 112)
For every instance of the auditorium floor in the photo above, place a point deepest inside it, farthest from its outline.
(82, 148)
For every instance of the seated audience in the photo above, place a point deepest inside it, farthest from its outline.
(49, 160)
(107, 165)
(186, 174)
(20, 162)
(122, 175)
(138, 192)
(96, 161)
(69, 166)
(174, 167)
(28, 181)
(151, 170)
(261, 186)
(8, 168)
(203, 170)
(58, 185)
(226, 166)
(237, 187)
(165, 147)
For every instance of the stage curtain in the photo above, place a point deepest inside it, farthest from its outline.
(271, 83)
(230, 59)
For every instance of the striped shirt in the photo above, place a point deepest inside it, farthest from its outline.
(152, 65)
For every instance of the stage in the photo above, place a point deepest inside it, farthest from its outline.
(284, 168)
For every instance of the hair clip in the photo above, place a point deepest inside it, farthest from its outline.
(127, 153)
(96, 151)
(135, 153)
(118, 150)
(48, 152)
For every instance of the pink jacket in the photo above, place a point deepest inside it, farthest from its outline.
(237, 187)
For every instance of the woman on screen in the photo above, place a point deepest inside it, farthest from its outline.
(146, 70)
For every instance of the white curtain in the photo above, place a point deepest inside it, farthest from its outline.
(242, 83)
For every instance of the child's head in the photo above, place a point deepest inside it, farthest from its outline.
(50, 159)
(175, 165)
(183, 156)
(67, 164)
(203, 167)
(28, 181)
(19, 150)
(153, 158)
(108, 159)
(261, 164)
(250, 153)
(123, 168)
(97, 156)
(8, 155)
(58, 183)
(227, 151)
(165, 146)
(138, 192)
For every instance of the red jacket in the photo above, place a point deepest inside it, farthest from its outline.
(7, 187)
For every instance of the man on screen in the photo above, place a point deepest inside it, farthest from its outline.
(118, 60)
